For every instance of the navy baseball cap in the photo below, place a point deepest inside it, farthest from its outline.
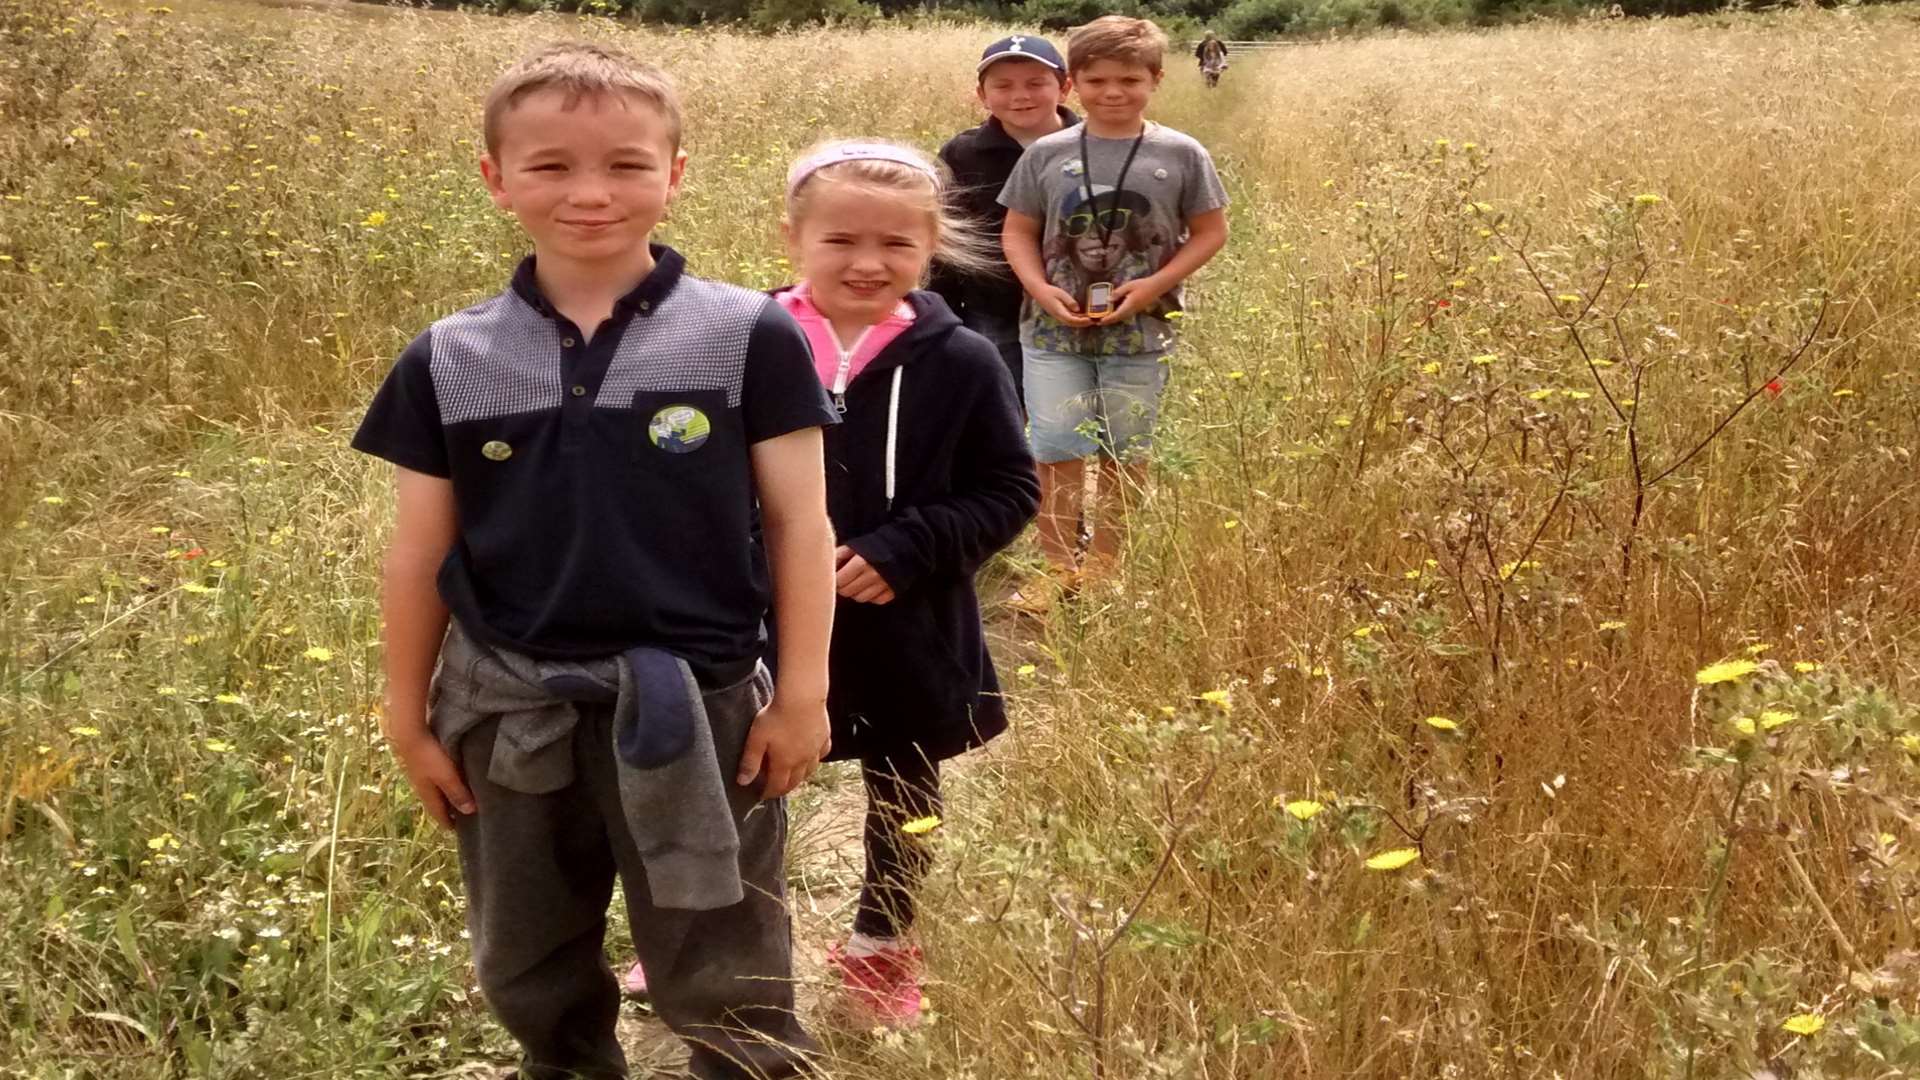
(1022, 47)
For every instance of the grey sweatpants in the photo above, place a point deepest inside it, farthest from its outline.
(539, 873)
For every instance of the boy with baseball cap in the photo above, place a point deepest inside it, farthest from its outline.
(1021, 80)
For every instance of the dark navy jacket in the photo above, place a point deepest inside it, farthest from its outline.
(913, 675)
(981, 159)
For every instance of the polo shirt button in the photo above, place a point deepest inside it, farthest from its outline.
(646, 305)
(579, 391)
(566, 343)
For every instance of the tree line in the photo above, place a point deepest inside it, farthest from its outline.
(1184, 19)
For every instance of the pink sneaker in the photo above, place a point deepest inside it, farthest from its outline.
(635, 984)
(882, 990)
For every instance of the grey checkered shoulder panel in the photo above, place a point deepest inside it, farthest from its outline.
(495, 359)
(696, 339)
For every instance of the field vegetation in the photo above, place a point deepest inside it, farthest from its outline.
(1513, 676)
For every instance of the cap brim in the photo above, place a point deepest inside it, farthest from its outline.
(997, 57)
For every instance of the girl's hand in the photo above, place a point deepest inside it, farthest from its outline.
(857, 580)
(1060, 304)
(1133, 297)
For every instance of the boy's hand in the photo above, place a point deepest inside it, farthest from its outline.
(784, 745)
(1133, 297)
(856, 579)
(1061, 306)
(434, 776)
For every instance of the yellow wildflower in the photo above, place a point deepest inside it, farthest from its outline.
(1222, 698)
(920, 826)
(1725, 671)
(1441, 723)
(1304, 809)
(1393, 860)
(1804, 1024)
(1773, 718)
(320, 653)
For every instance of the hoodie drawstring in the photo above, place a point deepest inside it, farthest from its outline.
(893, 431)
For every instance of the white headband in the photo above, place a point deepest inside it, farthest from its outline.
(859, 151)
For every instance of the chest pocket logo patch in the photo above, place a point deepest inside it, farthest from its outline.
(679, 429)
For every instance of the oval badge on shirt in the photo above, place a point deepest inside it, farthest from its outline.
(495, 450)
(679, 429)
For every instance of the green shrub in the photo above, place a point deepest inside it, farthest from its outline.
(1250, 19)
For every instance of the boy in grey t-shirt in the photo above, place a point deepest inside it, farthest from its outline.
(1104, 223)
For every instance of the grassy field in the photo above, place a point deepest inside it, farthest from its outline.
(1512, 676)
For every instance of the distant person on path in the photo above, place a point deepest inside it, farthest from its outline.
(579, 463)
(1104, 222)
(1021, 80)
(1212, 54)
(928, 475)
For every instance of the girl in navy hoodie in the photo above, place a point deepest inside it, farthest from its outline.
(927, 476)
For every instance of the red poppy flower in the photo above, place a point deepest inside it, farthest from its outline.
(1774, 387)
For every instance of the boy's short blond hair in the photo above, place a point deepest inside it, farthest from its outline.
(578, 70)
(1117, 37)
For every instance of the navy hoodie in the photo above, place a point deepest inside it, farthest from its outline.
(913, 675)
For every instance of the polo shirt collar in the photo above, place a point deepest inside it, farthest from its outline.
(642, 299)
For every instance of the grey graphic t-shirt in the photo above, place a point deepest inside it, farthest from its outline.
(1115, 236)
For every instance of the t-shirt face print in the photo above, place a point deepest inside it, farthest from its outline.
(1097, 228)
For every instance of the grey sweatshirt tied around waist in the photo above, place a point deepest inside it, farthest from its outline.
(671, 785)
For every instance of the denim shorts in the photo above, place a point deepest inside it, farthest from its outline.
(1078, 406)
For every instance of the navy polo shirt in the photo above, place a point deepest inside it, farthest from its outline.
(604, 489)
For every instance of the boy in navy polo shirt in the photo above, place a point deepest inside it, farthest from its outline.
(582, 462)
(1022, 81)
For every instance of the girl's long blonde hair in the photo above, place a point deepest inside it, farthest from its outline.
(958, 242)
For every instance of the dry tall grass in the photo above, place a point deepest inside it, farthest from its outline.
(1547, 368)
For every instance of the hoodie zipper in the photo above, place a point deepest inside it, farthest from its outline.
(847, 353)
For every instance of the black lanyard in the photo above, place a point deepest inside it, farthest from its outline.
(1119, 185)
